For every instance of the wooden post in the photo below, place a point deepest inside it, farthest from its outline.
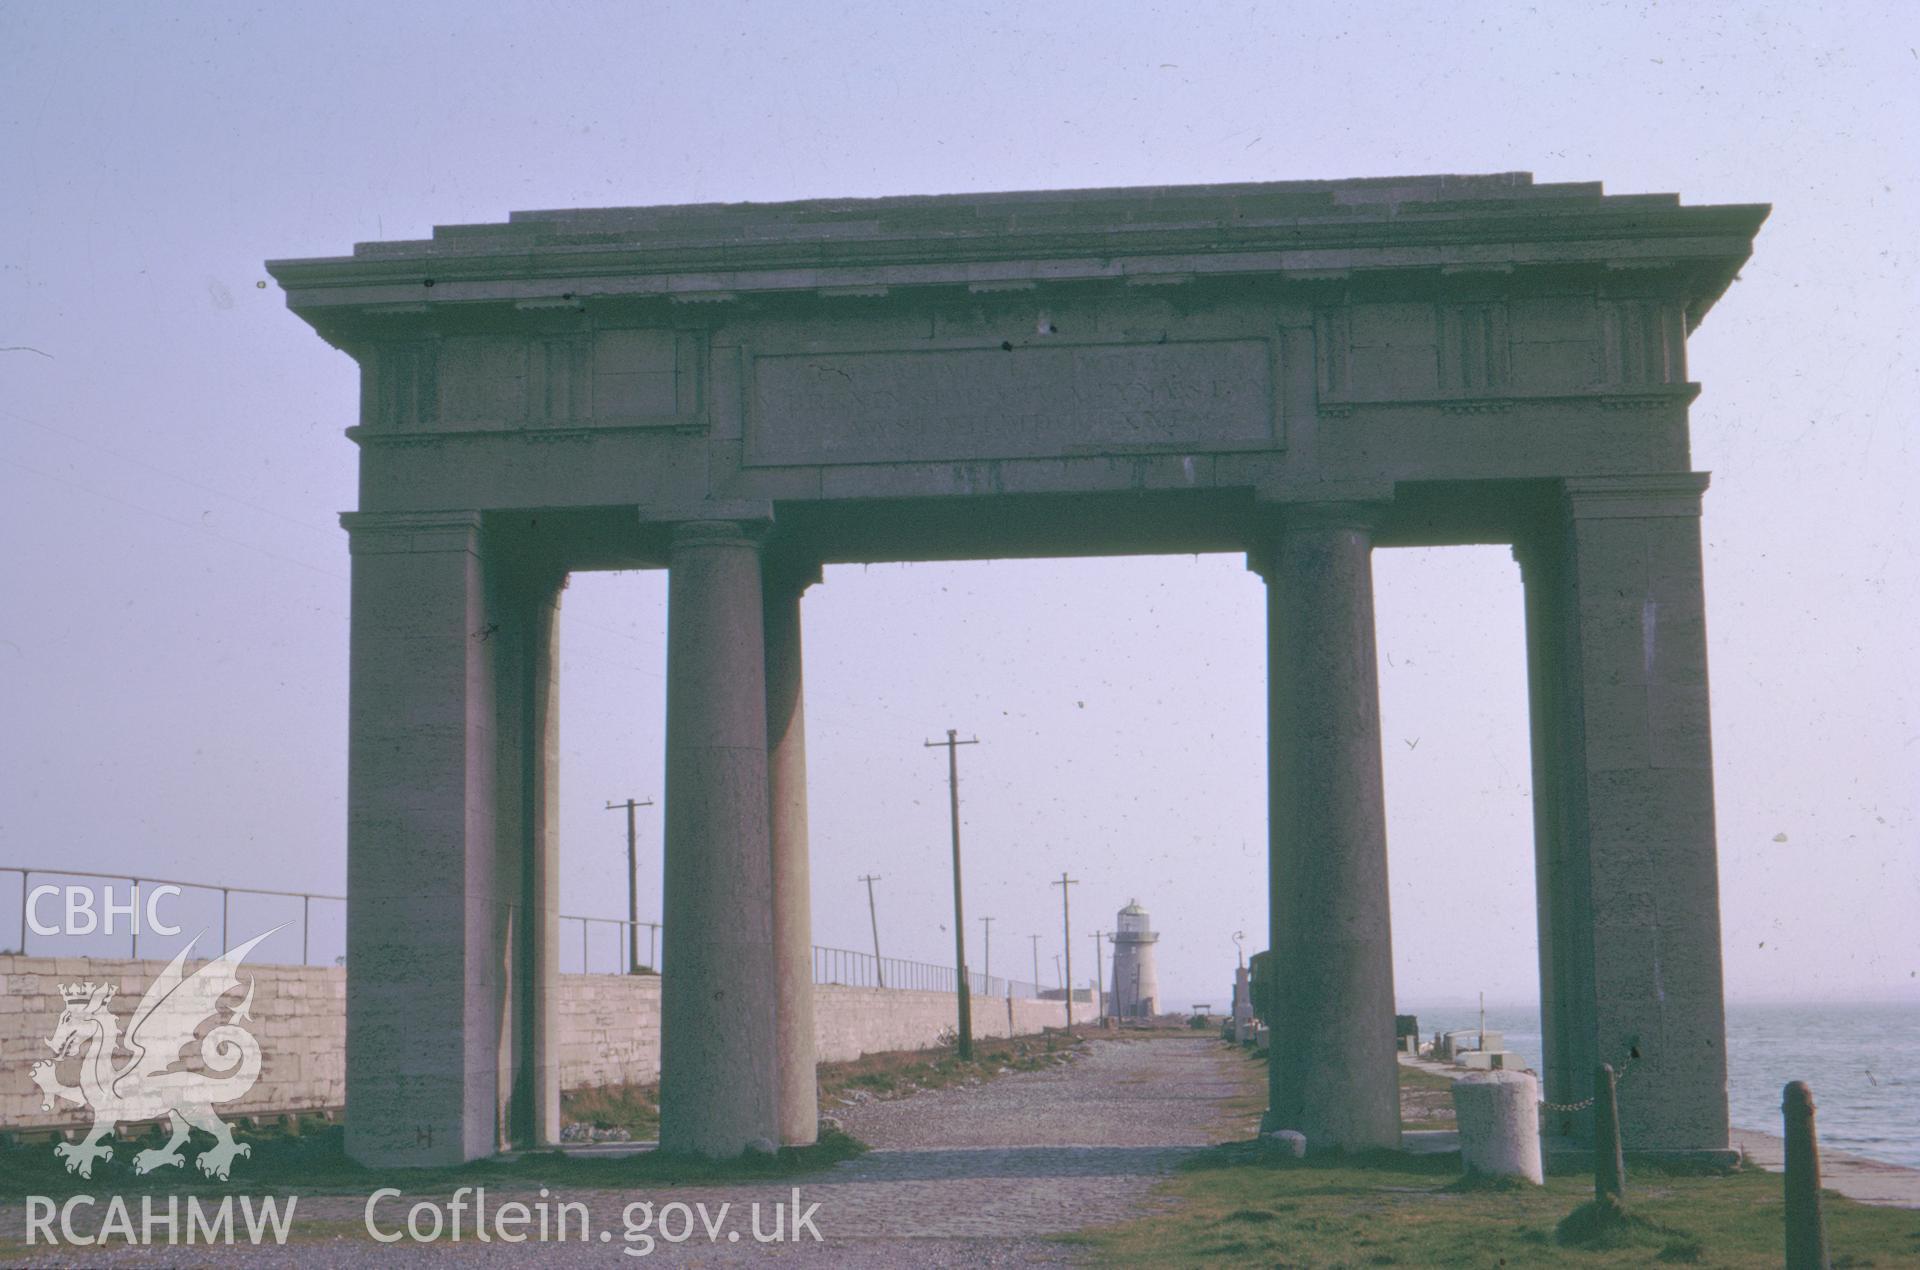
(1609, 1165)
(1806, 1224)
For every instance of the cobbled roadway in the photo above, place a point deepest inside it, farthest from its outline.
(967, 1176)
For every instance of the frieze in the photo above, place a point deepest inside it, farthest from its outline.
(593, 376)
(1646, 401)
(1601, 399)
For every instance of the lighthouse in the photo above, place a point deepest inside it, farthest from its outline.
(1136, 984)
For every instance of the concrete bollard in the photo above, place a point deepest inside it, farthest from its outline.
(1806, 1223)
(1499, 1118)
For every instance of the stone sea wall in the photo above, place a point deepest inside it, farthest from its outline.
(609, 1029)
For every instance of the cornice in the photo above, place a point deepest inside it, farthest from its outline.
(1635, 496)
(730, 267)
(1304, 231)
(385, 533)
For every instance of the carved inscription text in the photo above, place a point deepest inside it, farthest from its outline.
(971, 403)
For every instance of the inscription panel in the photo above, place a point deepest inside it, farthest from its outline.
(994, 402)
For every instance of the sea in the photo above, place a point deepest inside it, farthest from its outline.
(1861, 1060)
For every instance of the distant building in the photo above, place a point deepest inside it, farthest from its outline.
(1136, 983)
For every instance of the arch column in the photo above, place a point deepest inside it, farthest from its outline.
(539, 796)
(787, 828)
(1332, 1074)
(1562, 887)
(718, 1042)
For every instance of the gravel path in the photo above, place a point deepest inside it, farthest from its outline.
(969, 1176)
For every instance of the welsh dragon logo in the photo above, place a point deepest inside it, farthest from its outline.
(148, 1083)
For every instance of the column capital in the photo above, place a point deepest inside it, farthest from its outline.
(1634, 497)
(1325, 504)
(1330, 514)
(1534, 557)
(1294, 493)
(784, 572)
(747, 534)
(372, 533)
(738, 510)
(1307, 516)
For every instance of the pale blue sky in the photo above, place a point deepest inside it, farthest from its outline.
(173, 596)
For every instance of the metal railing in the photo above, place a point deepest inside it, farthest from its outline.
(840, 966)
(846, 967)
(619, 958)
(227, 893)
(864, 970)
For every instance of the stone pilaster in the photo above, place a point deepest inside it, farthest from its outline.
(445, 825)
(1638, 877)
(1332, 1072)
(719, 1092)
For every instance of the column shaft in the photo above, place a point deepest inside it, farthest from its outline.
(542, 868)
(520, 633)
(718, 1043)
(1562, 897)
(1332, 1073)
(792, 887)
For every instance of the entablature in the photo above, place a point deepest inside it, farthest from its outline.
(1298, 233)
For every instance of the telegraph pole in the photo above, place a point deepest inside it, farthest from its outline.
(1099, 973)
(1036, 964)
(1066, 929)
(952, 744)
(633, 884)
(879, 969)
(986, 971)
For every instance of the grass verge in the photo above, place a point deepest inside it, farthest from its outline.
(1395, 1210)
(1243, 1203)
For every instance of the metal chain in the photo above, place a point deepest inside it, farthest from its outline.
(1619, 1078)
